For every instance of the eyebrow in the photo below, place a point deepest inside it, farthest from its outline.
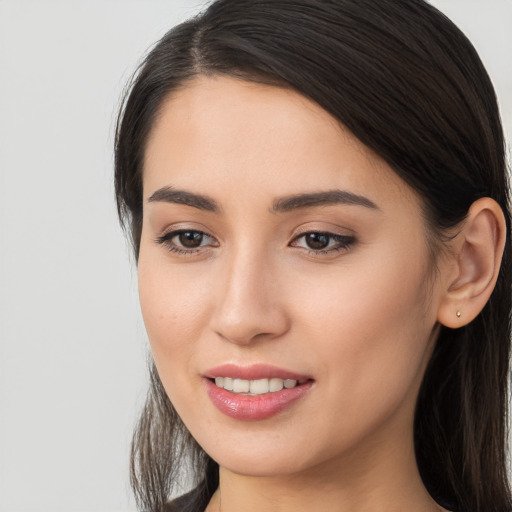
(330, 197)
(171, 195)
(281, 205)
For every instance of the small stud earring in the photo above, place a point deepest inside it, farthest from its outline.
(459, 314)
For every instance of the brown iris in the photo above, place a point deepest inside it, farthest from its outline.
(317, 240)
(190, 239)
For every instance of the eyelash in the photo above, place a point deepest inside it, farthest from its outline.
(344, 242)
(166, 239)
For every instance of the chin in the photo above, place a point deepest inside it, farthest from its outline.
(261, 467)
(261, 458)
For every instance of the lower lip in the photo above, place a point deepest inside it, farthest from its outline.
(256, 407)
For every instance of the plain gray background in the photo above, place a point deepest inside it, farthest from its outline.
(72, 343)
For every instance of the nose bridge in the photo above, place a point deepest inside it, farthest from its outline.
(248, 304)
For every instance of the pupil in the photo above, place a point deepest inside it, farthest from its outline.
(317, 240)
(190, 239)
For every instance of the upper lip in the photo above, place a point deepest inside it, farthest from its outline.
(254, 372)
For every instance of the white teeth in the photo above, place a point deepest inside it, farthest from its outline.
(289, 383)
(228, 383)
(254, 387)
(258, 387)
(241, 386)
(275, 385)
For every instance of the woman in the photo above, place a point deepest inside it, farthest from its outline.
(316, 193)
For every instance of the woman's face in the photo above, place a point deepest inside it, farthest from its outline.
(280, 252)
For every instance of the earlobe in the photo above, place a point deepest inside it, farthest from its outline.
(477, 250)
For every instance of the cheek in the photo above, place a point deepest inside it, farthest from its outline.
(371, 330)
(173, 308)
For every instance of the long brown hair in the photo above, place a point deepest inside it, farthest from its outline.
(410, 86)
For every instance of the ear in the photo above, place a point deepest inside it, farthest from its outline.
(476, 251)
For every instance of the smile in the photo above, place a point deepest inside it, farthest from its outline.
(256, 392)
(255, 387)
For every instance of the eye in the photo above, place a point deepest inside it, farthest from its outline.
(318, 242)
(186, 241)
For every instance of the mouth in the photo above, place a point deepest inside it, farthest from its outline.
(254, 392)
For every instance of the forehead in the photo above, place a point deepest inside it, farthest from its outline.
(221, 132)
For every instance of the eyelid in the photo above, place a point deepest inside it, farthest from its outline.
(327, 228)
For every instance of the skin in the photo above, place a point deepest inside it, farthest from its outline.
(361, 321)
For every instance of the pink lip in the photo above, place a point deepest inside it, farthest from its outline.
(258, 407)
(253, 372)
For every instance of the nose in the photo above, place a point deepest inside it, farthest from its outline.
(250, 303)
